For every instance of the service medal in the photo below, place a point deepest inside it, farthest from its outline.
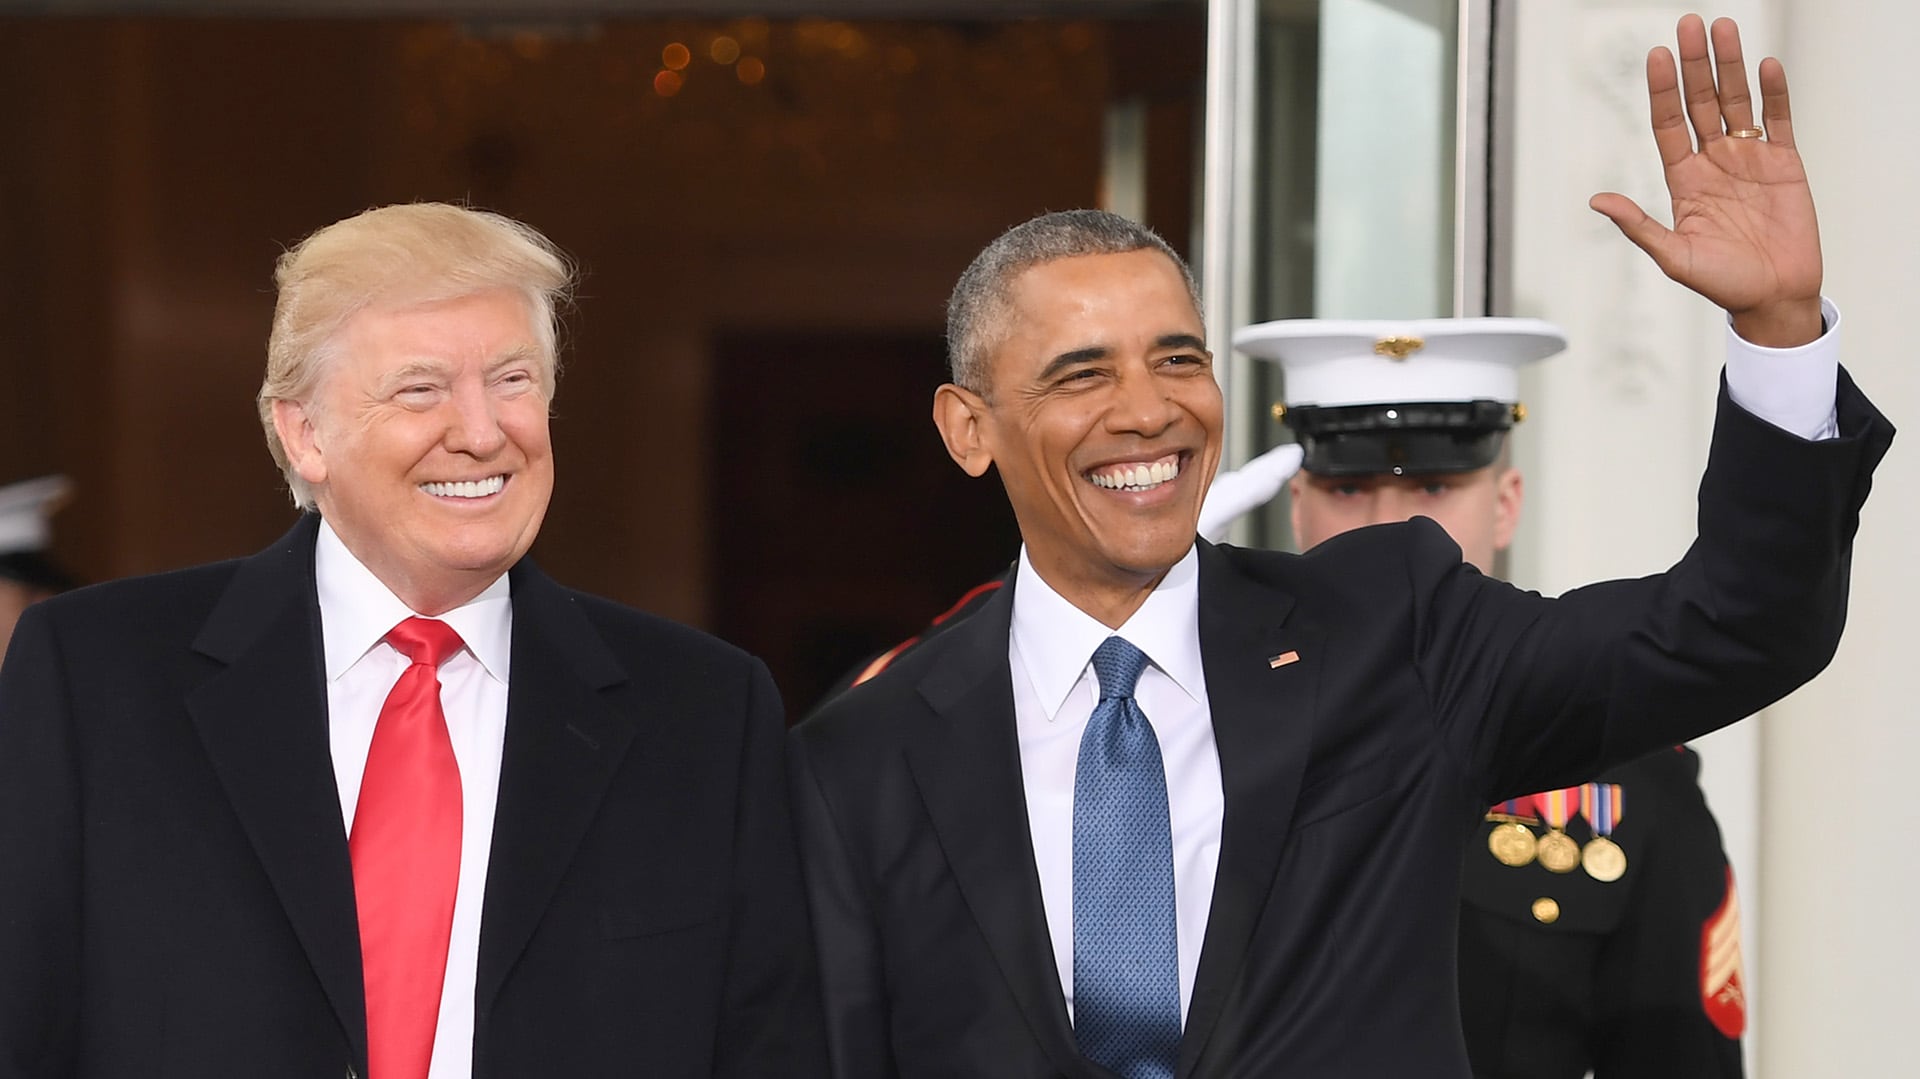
(1557, 850)
(1512, 843)
(1604, 860)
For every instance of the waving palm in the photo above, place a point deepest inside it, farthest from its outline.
(1744, 233)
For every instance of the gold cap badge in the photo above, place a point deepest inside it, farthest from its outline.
(1399, 348)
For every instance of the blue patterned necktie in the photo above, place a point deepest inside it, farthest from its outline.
(1126, 962)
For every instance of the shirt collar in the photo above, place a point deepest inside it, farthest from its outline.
(357, 611)
(1056, 640)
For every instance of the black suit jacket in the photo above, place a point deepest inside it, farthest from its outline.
(178, 899)
(1422, 692)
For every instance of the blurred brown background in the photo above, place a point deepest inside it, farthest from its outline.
(769, 214)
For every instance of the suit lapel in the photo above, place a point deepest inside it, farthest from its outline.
(564, 743)
(967, 765)
(263, 722)
(1262, 703)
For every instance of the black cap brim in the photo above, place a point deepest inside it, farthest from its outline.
(1410, 439)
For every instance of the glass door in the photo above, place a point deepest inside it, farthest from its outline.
(1346, 175)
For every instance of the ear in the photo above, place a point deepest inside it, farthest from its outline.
(1296, 485)
(961, 416)
(294, 424)
(1508, 492)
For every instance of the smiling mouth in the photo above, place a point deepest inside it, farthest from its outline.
(466, 488)
(1134, 478)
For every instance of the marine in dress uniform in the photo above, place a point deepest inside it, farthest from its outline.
(1599, 928)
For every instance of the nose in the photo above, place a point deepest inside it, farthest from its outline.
(473, 426)
(1388, 506)
(1141, 406)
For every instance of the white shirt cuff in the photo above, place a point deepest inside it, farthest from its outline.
(1791, 388)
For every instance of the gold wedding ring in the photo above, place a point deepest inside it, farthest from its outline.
(1746, 132)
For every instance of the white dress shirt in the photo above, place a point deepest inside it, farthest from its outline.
(1051, 646)
(1791, 388)
(356, 612)
(1050, 651)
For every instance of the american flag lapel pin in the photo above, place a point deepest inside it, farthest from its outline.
(1284, 658)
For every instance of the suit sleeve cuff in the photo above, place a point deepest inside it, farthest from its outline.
(1791, 388)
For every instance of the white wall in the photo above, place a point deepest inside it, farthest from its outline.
(1839, 757)
(1813, 794)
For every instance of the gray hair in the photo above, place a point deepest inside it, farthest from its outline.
(977, 311)
(417, 253)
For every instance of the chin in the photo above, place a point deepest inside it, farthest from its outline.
(1150, 561)
(480, 558)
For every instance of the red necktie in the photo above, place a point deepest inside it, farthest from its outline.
(406, 857)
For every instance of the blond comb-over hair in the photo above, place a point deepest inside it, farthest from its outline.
(397, 257)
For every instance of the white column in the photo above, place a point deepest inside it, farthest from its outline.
(1840, 756)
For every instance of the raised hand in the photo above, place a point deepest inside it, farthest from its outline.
(1744, 233)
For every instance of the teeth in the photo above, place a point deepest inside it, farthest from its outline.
(466, 488)
(1138, 477)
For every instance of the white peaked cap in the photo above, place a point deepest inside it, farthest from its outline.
(24, 510)
(1335, 362)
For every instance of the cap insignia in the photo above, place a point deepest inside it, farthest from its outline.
(1399, 348)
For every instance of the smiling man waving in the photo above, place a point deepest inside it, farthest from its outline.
(1161, 808)
(384, 800)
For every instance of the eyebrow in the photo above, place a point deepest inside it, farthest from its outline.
(435, 368)
(1074, 358)
(1100, 352)
(520, 354)
(412, 370)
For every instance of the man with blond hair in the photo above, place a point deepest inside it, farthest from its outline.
(384, 800)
